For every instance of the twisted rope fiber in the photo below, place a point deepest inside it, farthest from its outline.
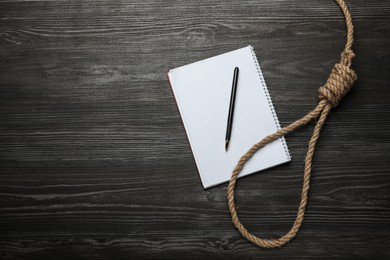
(338, 84)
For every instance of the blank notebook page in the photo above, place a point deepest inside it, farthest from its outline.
(202, 91)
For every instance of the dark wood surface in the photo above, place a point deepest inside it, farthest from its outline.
(94, 159)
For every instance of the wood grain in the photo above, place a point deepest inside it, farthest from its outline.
(94, 159)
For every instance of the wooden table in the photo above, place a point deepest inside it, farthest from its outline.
(94, 159)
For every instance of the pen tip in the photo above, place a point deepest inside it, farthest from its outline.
(226, 144)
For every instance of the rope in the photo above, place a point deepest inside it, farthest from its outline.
(338, 84)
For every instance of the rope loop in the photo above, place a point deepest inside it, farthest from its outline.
(338, 84)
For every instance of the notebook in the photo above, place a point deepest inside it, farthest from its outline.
(202, 91)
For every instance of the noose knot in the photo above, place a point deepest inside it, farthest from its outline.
(340, 80)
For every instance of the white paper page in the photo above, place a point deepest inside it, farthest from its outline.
(202, 91)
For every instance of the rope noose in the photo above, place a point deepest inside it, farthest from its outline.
(338, 84)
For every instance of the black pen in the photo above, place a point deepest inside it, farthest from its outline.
(231, 108)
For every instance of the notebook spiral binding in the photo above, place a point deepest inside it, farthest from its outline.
(269, 99)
